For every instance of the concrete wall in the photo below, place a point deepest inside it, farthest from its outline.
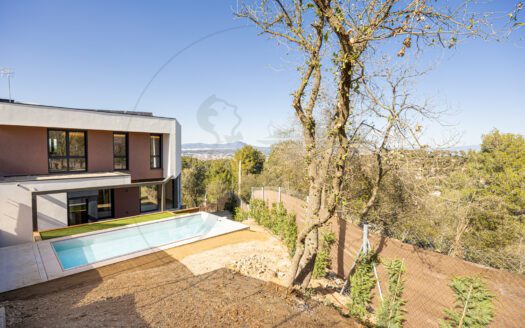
(15, 205)
(23, 150)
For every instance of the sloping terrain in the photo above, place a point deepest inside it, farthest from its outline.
(157, 290)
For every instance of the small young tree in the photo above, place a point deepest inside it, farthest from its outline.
(473, 308)
(193, 184)
(361, 284)
(323, 261)
(391, 312)
(252, 160)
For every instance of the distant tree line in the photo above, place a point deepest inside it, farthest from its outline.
(215, 180)
(465, 204)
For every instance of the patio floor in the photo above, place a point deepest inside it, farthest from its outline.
(32, 263)
(186, 286)
(21, 266)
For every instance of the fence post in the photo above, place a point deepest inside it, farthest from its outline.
(263, 194)
(365, 239)
(279, 193)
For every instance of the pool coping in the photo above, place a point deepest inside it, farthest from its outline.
(50, 268)
(102, 231)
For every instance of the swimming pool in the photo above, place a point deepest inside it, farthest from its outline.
(81, 251)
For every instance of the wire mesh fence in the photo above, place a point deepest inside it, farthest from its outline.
(428, 275)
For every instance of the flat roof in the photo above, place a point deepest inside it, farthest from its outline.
(60, 176)
(110, 111)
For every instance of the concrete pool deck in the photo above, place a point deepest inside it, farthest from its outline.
(32, 263)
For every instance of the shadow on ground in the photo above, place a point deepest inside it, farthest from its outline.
(158, 291)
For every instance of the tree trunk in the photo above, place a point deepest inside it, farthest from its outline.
(306, 273)
(303, 254)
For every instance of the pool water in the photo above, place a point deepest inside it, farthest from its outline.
(80, 251)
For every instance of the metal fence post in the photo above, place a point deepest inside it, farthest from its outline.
(162, 196)
(365, 239)
(34, 212)
(263, 194)
(279, 193)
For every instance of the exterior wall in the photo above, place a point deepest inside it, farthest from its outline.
(99, 151)
(68, 118)
(126, 202)
(139, 158)
(23, 150)
(33, 159)
(15, 205)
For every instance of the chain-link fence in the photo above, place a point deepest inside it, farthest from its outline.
(428, 274)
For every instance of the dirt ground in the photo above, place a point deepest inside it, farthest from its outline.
(196, 285)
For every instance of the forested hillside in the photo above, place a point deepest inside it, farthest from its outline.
(469, 205)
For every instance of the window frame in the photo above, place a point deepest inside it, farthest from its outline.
(120, 156)
(112, 201)
(67, 157)
(154, 156)
(159, 200)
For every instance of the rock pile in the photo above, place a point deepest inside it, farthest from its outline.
(257, 266)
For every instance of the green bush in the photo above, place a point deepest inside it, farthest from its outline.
(392, 313)
(240, 215)
(361, 284)
(232, 203)
(323, 260)
(473, 308)
(276, 219)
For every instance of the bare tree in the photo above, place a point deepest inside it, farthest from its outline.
(350, 32)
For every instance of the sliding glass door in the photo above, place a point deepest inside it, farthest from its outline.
(89, 206)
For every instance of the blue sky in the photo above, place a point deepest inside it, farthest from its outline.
(102, 54)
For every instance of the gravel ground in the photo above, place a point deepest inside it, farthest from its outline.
(197, 285)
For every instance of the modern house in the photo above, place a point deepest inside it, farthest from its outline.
(65, 166)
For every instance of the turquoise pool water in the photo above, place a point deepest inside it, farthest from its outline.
(80, 251)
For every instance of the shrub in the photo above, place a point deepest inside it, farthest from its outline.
(361, 284)
(391, 313)
(473, 306)
(323, 260)
(276, 219)
(232, 203)
(240, 215)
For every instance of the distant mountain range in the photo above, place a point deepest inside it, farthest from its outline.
(214, 151)
(464, 148)
(226, 150)
(199, 145)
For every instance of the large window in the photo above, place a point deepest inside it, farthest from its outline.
(66, 151)
(89, 206)
(149, 198)
(155, 151)
(171, 194)
(105, 204)
(120, 151)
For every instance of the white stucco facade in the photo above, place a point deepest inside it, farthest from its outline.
(15, 203)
